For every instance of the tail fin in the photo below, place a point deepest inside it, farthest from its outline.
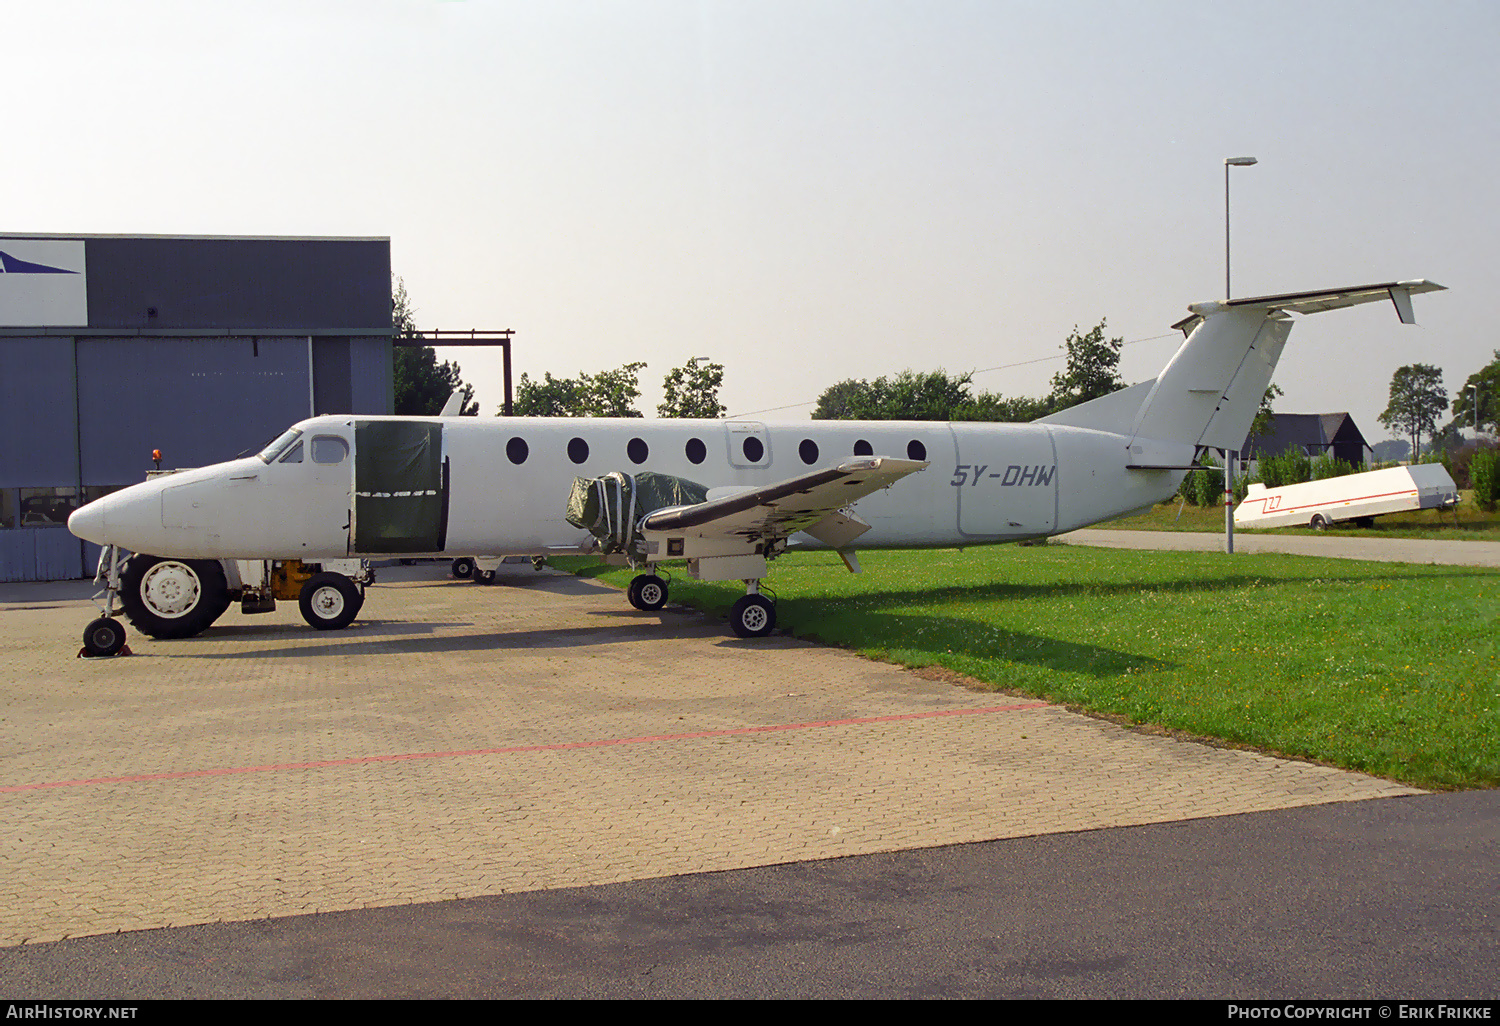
(1210, 390)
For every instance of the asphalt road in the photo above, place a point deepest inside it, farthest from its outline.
(1338, 544)
(1387, 899)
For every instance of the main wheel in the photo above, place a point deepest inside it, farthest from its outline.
(463, 567)
(647, 592)
(172, 598)
(103, 637)
(330, 602)
(1319, 522)
(753, 616)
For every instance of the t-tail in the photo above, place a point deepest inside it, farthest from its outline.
(1208, 394)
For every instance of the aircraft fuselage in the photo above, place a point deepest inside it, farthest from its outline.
(384, 486)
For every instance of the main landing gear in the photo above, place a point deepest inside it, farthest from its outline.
(647, 592)
(753, 616)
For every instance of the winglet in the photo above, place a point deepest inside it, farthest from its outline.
(1401, 297)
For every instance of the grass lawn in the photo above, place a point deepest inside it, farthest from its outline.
(1391, 669)
(1473, 523)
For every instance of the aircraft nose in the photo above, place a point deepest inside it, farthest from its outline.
(87, 522)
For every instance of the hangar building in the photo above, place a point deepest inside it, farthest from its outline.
(203, 347)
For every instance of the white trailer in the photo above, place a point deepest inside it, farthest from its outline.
(1357, 497)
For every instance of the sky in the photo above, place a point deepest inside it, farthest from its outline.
(804, 191)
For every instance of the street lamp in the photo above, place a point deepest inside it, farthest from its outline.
(1230, 162)
(1229, 454)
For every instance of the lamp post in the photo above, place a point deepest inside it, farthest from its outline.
(1229, 454)
(1230, 162)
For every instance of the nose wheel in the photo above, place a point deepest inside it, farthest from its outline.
(103, 637)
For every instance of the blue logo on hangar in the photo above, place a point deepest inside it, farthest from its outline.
(12, 265)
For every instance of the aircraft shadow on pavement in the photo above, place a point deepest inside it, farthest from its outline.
(387, 642)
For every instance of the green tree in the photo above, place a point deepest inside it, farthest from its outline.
(850, 399)
(1487, 378)
(1093, 368)
(1264, 424)
(420, 384)
(610, 393)
(692, 390)
(994, 408)
(1417, 399)
(910, 395)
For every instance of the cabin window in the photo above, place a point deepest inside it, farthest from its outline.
(578, 450)
(696, 451)
(637, 450)
(329, 449)
(863, 448)
(808, 450)
(517, 450)
(754, 449)
(293, 455)
(915, 450)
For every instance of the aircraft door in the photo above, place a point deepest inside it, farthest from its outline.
(311, 480)
(749, 444)
(1005, 481)
(400, 487)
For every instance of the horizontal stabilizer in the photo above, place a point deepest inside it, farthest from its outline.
(1398, 292)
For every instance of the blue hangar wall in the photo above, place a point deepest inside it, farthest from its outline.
(112, 346)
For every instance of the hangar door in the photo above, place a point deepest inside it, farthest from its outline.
(400, 487)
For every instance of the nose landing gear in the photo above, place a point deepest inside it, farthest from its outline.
(106, 635)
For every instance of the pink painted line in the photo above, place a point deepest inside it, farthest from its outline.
(563, 746)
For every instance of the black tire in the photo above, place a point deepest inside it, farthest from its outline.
(103, 637)
(484, 576)
(172, 598)
(1319, 522)
(1364, 522)
(463, 567)
(647, 593)
(330, 602)
(753, 616)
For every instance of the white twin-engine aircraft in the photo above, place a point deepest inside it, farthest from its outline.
(725, 497)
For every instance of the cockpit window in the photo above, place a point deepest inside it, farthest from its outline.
(276, 448)
(293, 455)
(329, 449)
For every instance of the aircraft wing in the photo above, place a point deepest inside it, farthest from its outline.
(787, 507)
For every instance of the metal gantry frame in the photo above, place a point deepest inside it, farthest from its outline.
(471, 337)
